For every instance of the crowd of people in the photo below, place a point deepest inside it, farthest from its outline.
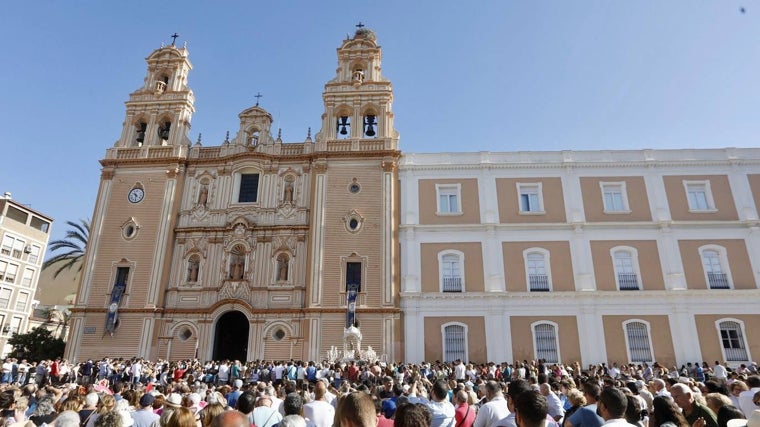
(141, 393)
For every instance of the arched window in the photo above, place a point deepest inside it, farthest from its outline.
(343, 123)
(537, 270)
(715, 265)
(140, 128)
(164, 128)
(545, 341)
(237, 263)
(625, 262)
(451, 271)
(454, 342)
(369, 128)
(732, 341)
(638, 341)
(193, 268)
(253, 136)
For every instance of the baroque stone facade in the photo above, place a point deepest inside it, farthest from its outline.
(244, 250)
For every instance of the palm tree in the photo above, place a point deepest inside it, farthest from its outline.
(73, 244)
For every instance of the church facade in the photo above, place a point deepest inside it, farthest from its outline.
(251, 249)
(264, 249)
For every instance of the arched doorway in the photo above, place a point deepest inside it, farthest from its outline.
(231, 336)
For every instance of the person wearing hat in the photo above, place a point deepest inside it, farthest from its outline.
(144, 416)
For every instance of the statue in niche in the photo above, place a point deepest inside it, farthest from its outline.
(192, 270)
(203, 195)
(282, 268)
(237, 263)
(358, 76)
(287, 196)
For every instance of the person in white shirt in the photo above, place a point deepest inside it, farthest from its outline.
(319, 411)
(554, 404)
(459, 370)
(496, 408)
(746, 398)
(720, 373)
(443, 411)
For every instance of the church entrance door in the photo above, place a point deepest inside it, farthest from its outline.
(231, 337)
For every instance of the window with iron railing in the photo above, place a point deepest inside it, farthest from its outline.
(717, 278)
(538, 274)
(545, 341)
(454, 343)
(628, 281)
(732, 341)
(639, 344)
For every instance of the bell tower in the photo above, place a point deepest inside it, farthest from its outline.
(126, 265)
(353, 283)
(159, 112)
(358, 100)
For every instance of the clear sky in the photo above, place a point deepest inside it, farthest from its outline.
(468, 76)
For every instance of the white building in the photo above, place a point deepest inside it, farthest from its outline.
(596, 256)
(24, 235)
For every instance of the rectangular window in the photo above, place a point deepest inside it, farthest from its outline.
(545, 336)
(122, 274)
(17, 214)
(699, 196)
(10, 273)
(455, 344)
(639, 345)
(5, 297)
(3, 269)
(531, 200)
(18, 248)
(354, 275)
(26, 280)
(448, 199)
(615, 198)
(21, 301)
(15, 325)
(733, 342)
(249, 188)
(451, 274)
(7, 245)
(34, 255)
(40, 224)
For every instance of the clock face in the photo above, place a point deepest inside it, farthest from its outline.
(136, 195)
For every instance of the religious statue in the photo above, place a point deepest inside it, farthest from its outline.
(282, 268)
(288, 192)
(358, 76)
(203, 195)
(237, 265)
(192, 270)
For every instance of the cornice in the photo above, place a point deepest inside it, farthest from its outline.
(727, 157)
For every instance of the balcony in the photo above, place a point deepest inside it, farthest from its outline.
(628, 281)
(538, 282)
(452, 284)
(718, 281)
(736, 354)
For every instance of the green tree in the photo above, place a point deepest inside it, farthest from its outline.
(71, 248)
(37, 344)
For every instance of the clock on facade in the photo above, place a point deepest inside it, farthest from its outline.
(136, 195)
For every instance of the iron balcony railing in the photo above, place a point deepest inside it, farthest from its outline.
(628, 281)
(718, 280)
(452, 284)
(538, 282)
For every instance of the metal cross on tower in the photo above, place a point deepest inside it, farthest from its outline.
(360, 25)
(174, 38)
(258, 96)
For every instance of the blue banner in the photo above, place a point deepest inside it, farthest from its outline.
(353, 290)
(113, 309)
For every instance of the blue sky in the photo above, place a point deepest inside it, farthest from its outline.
(467, 76)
